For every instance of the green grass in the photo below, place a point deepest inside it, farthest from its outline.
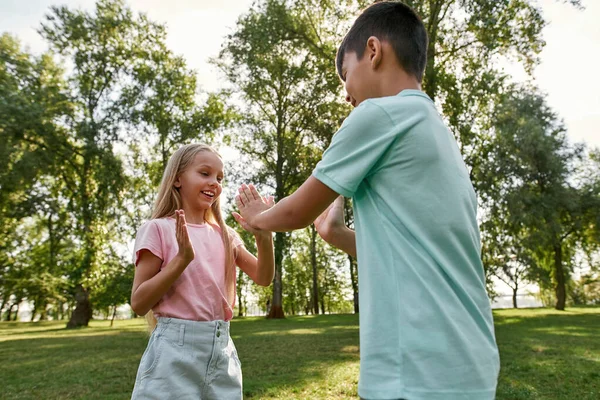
(545, 354)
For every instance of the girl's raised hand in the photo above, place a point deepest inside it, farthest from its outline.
(251, 203)
(186, 250)
(267, 202)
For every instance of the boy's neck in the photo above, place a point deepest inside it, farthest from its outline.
(393, 81)
(392, 77)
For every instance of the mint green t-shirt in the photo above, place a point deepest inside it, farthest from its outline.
(426, 328)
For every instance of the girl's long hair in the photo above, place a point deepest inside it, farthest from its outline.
(169, 200)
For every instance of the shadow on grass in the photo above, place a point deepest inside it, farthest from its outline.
(548, 355)
(100, 363)
(544, 355)
(289, 354)
(76, 365)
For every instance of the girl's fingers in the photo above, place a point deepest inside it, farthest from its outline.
(238, 201)
(238, 218)
(253, 192)
(242, 222)
(242, 194)
(246, 194)
(177, 226)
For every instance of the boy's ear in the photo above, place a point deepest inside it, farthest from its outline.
(374, 51)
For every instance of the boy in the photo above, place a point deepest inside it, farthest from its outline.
(426, 328)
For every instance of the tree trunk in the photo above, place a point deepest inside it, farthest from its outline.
(352, 261)
(9, 312)
(239, 294)
(514, 297)
(559, 274)
(354, 281)
(4, 300)
(313, 261)
(430, 79)
(44, 311)
(277, 302)
(83, 310)
(33, 312)
(112, 320)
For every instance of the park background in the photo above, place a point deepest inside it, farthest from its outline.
(95, 96)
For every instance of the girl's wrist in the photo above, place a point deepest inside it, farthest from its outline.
(181, 260)
(263, 235)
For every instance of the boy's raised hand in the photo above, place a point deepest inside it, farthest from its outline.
(331, 220)
(251, 203)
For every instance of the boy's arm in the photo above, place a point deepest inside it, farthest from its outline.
(296, 211)
(331, 227)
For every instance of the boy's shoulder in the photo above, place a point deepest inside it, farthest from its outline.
(406, 99)
(393, 109)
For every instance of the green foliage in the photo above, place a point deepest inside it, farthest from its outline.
(332, 278)
(538, 212)
(279, 64)
(63, 129)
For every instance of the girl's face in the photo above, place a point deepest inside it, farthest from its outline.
(201, 182)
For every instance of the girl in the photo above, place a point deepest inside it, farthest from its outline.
(185, 259)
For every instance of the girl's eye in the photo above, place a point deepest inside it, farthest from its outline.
(219, 179)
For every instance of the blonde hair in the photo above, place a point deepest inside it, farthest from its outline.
(169, 200)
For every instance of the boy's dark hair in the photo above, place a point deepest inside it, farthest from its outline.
(395, 23)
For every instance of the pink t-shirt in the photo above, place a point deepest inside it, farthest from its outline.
(199, 293)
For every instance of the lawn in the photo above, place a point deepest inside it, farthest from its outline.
(545, 354)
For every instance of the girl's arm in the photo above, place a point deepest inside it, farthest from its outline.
(260, 269)
(149, 285)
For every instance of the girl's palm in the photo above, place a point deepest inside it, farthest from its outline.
(186, 250)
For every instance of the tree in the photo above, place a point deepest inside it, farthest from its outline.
(34, 233)
(125, 85)
(466, 41)
(275, 62)
(533, 176)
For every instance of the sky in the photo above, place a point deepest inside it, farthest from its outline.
(568, 71)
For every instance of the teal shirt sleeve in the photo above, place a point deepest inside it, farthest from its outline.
(356, 148)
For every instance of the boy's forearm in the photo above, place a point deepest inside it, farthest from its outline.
(296, 211)
(265, 259)
(345, 240)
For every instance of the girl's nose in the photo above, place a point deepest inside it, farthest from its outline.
(348, 98)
